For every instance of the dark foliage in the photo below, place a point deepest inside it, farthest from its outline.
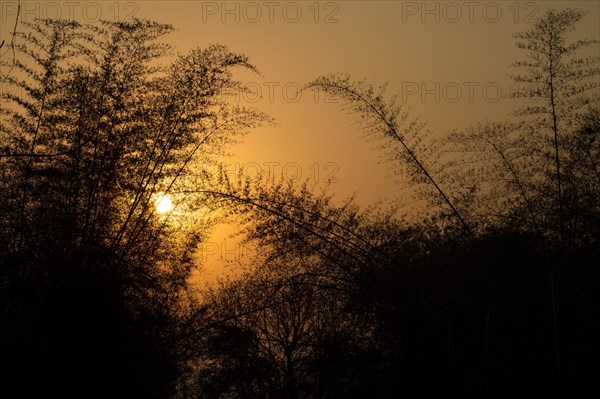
(489, 292)
(93, 280)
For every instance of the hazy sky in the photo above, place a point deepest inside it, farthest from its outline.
(448, 60)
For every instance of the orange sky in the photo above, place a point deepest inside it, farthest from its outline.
(448, 60)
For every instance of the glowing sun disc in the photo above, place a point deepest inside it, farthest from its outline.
(164, 204)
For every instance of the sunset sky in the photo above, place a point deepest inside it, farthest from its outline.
(448, 61)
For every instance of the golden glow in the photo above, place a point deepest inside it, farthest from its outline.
(164, 204)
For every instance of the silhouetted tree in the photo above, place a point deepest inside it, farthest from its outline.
(558, 83)
(286, 314)
(93, 278)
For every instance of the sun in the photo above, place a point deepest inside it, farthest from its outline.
(164, 204)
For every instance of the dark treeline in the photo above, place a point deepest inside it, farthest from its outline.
(482, 281)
